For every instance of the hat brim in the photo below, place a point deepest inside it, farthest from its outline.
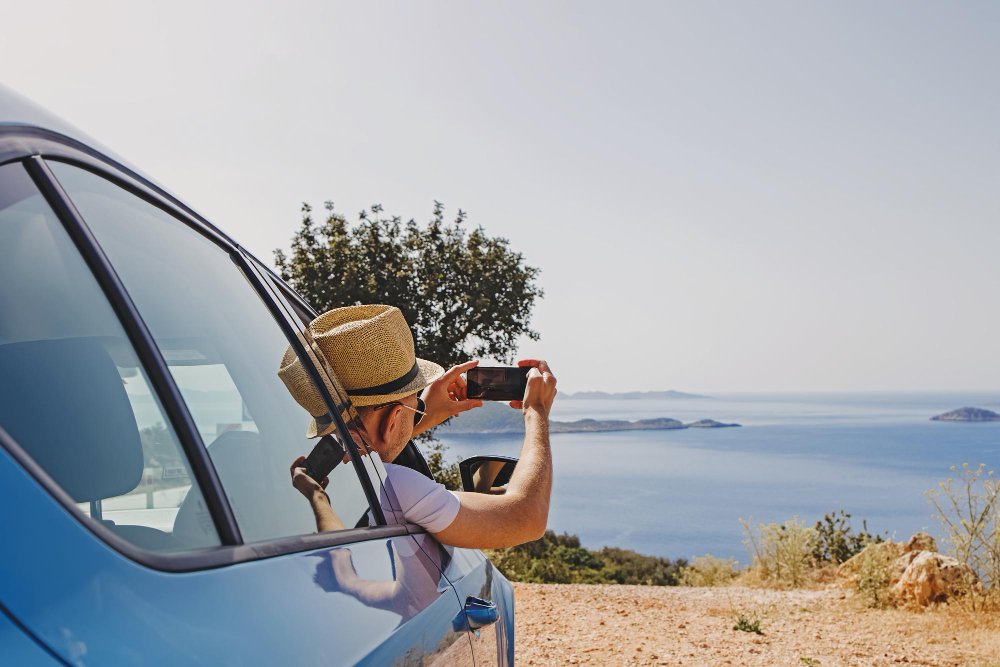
(427, 372)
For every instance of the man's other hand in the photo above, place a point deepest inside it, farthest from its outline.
(301, 480)
(541, 389)
(446, 397)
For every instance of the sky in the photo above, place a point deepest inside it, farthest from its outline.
(721, 196)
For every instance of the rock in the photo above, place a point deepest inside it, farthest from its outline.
(932, 577)
(968, 415)
(849, 569)
(920, 541)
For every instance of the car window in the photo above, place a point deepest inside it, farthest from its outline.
(223, 349)
(74, 395)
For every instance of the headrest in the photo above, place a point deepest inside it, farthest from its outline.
(64, 403)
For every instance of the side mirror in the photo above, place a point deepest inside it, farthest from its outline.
(482, 474)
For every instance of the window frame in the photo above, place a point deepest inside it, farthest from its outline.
(32, 146)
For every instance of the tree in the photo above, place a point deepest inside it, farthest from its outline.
(465, 294)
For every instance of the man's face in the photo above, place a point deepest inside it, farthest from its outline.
(389, 427)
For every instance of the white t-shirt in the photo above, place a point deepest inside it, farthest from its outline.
(420, 500)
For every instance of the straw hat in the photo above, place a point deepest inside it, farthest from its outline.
(368, 350)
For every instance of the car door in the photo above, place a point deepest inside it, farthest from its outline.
(126, 342)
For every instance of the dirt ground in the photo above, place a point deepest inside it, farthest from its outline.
(646, 625)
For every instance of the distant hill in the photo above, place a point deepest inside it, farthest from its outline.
(497, 417)
(968, 415)
(631, 395)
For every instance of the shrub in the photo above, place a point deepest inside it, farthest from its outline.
(781, 554)
(968, 507)
(709, 570)
(835, 540)
(560, 559)
(747, 622)
(624, 566)
(875, 576)
(445, 471)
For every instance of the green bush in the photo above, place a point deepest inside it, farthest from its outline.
(560, 559)
(836, 541)
(709, 570)
(748, 623)
(444, 470)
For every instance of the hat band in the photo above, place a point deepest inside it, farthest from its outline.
(324, 420)
(389, 387)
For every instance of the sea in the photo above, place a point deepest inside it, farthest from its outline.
(682, 493)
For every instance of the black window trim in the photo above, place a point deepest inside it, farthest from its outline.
(335, 407)
(287, 296)
(32, 146)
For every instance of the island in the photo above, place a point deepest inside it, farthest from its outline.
(631, 395)
(499, 418)
(968, 415)
(604, 425)
(710, 423)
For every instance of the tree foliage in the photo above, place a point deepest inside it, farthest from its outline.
(465, 294)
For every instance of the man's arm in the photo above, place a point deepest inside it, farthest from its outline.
(521, 514)
(315, 493)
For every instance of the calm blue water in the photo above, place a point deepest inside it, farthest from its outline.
(681, 493)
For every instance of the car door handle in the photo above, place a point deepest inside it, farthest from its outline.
(480, 612)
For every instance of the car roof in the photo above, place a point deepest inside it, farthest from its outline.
(16, 109)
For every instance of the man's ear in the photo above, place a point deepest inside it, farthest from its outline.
(391, 423)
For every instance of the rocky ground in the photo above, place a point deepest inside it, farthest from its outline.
(641, 625)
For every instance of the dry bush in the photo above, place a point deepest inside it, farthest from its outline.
(709, 570)
(781, 554)
(968, 507)
(874, 578)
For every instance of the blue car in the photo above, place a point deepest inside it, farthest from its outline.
(145, 443)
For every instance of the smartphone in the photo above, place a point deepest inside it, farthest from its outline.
(499, 383)
(323, 458)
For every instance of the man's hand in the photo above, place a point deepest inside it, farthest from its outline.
(446, 397)
(541, 389)
(315, 493)
(305, 484)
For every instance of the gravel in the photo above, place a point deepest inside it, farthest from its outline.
(575, 624)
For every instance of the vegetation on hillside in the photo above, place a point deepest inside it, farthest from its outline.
(560, 559)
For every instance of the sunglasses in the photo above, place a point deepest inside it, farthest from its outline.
(418, 412)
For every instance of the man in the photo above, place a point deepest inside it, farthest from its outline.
(370, 351)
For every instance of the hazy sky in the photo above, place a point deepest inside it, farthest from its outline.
(721, 196)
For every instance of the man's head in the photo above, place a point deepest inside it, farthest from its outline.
(388, 427)
(370, 351)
